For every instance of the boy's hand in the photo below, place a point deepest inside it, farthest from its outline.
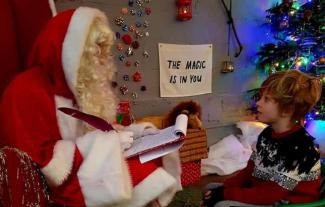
(212, 196)
(126, 139)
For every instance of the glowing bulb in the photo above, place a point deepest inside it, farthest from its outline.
(298, 63)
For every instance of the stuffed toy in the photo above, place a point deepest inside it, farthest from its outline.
(191, 108)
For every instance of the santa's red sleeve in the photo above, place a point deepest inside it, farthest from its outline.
(87, 171)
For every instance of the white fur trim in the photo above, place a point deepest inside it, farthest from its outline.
(172, 164)
(74, 41)
(59, 167)
(158, 183)
(69, 127)
(103, 176)
(52, 7)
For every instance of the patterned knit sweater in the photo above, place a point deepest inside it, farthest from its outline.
(285, 167)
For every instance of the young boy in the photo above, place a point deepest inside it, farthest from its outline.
(286, 165)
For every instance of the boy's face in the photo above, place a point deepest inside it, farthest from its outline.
(267, 109)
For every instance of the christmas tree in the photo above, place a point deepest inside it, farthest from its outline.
(299, 34)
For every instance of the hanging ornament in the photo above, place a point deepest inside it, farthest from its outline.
(129, 52)
(123, 114)
(228, 66)
(119, 46)
(132, 12)
(137, 76)
(307, 15)
(143, 88)
(128, 64)
(140, 13)
(146, 23)
(127, 39)
(147, 10)
(124, 10)
(139, 3)
(131, 3)
(138, 34)
(184, 10)
(322, 60)
(136, 63)
(114, 84)
(131, 28)
(146, 34)
(134, 95)
(147, 1)
(125, 28)
(145, 54)
(118, 35)
(135, 44)
(119, 21)
(124, 89)
(126, 77)
(138, 24)
(121, 57)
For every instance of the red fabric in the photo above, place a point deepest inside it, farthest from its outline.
(30, 125)
(140, 171)
(260, 193)
(30, 17)
(69, 193)
(20, 23)
(242, 177)
(28, 113)
(191, 173)
(286, 133)
(8, 45)
(247, 189)
(307, 191)
(20, 183)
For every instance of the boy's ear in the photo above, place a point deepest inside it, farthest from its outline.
(288, 111)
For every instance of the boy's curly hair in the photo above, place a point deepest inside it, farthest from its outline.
(293, 90)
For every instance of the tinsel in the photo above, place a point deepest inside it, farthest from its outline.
(21, 182)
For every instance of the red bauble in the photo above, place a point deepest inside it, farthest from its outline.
(184, 9)
(127, 39)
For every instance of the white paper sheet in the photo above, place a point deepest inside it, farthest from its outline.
(165, 137)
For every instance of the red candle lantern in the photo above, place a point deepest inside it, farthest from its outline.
(184, 9)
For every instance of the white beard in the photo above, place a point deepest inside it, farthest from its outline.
(95, 95)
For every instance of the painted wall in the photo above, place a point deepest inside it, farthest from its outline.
(226, 105)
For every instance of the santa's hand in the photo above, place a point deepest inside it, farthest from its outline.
(142, 129)
(126, 139)
(118, 127)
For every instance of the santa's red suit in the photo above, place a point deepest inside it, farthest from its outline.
(81, 169)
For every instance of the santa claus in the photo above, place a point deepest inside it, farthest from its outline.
(71, 66)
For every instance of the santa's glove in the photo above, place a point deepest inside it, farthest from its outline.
(126, 139)
(212, 194)
(142, 129)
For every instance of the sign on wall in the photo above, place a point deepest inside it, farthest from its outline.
(185, 70)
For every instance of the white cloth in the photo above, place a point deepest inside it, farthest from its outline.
(225, 157)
